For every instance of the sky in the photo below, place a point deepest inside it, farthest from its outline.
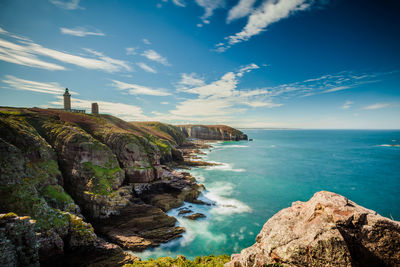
(314, 64)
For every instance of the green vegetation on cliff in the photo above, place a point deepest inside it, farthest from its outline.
(181, 261)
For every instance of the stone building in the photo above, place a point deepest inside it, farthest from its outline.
(95, 109)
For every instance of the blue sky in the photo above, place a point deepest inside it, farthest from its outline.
(245, 63)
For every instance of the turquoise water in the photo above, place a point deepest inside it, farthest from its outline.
(257, 179)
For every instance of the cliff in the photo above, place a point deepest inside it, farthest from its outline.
(212, 132)
(79, 175)
(327, 230)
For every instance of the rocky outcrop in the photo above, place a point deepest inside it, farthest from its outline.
(18, 244)
(140, 226)
(212, 132)
(171, 191)
(327, 230)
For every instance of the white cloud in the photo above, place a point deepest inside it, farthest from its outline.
(145, 41)
(153, 55)
(377, 106)
(180, 3)
(69, 5)
(202, 107)
(247, 69)
(209, 7)
(266, 14)
(135, 89)
(218, 100)
(146, 67)
(82, 31)
(165, 103)
(131, 51)
(335, 89)
(190, 80)
(347, 104)
(241, 10)
(24, 52)
(22, 55)
(41, 87)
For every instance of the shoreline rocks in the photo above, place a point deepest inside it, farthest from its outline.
(195, 216)
(327, 230)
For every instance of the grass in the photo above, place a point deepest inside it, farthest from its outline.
(181, 261)
(56, 194)
(103, 178)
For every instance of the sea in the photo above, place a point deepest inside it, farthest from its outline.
(256, 179)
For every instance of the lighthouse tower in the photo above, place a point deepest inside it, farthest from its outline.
(67, 100)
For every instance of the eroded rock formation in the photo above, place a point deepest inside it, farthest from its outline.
(212, 132)
(327, 230)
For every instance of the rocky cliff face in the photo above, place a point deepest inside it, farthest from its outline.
(70, 171)
(327, 230)
(212, 132)
(17, 241)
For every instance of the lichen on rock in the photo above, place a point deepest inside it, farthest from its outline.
(327, 230)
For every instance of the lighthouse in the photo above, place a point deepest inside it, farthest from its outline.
(67, 100)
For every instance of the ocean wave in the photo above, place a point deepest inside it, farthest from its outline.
(224, 167)
(233, 146)
(226, 206)
(387, 145)
(220, 193)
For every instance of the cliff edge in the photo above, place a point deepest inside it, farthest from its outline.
(327, 230)
(212, 132)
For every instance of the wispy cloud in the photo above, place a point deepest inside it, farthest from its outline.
(69, 5)
(82, 31)
(135, 89)
(15, 83)
(146, 67)
(260, 18)
(241, 10)
(209, 7)
(180, 3)
(377, 106)
(347, 104)
(145, 41)
(131, 51)
(328, 83)
(155, 56)
(27, 53)
(23, 55)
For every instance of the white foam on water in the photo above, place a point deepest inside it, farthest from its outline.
(199, 228)
(220, 193)
(233, 146)
(223, 167)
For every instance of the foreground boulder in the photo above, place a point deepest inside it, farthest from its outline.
(327, 230)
